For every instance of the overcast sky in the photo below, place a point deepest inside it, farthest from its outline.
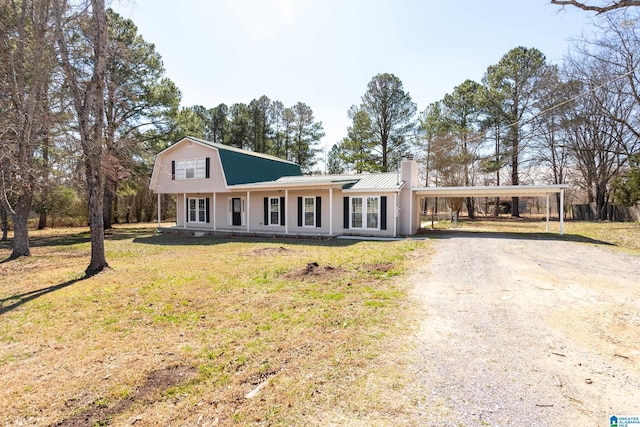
(324, 52)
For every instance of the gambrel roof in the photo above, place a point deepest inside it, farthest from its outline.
(243, 166)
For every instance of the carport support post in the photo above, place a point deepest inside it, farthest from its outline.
(561, 211)
(547, 228)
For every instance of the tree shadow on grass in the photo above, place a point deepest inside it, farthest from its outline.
(453, 234)
(17, 300)
(167, 239)
(81, 236)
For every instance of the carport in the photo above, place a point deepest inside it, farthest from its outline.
(500, 191)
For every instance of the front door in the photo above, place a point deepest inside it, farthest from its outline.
(236, 211)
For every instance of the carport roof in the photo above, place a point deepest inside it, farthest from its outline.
(490, 190)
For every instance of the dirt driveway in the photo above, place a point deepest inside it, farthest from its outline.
(527, 332)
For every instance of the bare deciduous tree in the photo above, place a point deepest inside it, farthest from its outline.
(26, 67)
(607, 7)
(598, 140)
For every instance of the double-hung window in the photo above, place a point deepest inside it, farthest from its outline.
(365, 212)
(191, 169)
(310, 211)
(373, 211)
(274, 211)
(356, 212)
(309, 218)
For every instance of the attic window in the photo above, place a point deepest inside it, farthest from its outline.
(191, 169)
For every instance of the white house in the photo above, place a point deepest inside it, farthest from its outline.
(220, 188)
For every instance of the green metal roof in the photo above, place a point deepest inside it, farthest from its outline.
(246, 167)
(241, 168)
(376, 181)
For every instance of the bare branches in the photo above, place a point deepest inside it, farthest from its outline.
(599, 9)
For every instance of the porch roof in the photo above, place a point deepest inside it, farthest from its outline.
(349, 183)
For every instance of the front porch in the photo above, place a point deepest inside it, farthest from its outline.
(202, 231)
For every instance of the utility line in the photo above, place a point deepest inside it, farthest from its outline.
(600, 86)
(530, 119)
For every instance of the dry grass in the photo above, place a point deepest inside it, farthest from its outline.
(624, 235)
(226, 315)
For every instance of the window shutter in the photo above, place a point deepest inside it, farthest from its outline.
(187, 210)
(173, 169)
(318, 211)
(266, 211)
(299, 211)
(345, 215)
(282, 209)
(207, 168)
(383, 212)
(206, 210)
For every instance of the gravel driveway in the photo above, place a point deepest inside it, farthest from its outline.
(527, 332)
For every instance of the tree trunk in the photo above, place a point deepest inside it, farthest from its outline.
(496, 210)
(109, 192)
(601, 205)
(42, 221)
(515, 179)
(515, 201)
(5, 223)
(116, 205)
(138, 209)
(21, 227)
(515, 207)
(96, 221)
(471, 210)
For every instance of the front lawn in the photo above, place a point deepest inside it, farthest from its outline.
(182, 330)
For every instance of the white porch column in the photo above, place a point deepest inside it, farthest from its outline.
(185, 211)
(395, 214)
(247, 210)
(547, 227)
(214, 211)
(284, 211)
(561, 211)
(159, 213)
(330, 211)
(177, 209)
